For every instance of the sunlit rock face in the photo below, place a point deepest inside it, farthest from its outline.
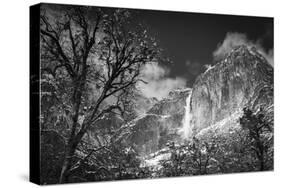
(161, 124)
(243, 78)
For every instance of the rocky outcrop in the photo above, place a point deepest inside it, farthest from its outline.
(157, 123)
(161, 124)
(243, 78)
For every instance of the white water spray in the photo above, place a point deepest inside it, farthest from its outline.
(186, 124)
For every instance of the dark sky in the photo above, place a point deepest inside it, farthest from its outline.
(194, 37)
(189, 39)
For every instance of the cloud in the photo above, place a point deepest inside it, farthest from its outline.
(187, 63)
(159, 84)
(233, 39)
(269, 56)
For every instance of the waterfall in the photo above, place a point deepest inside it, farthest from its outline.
(186, 125)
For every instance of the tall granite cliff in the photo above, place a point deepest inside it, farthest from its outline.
(243, 78)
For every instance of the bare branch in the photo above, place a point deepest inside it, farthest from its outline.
(60, 51)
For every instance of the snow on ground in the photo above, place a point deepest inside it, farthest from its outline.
(223, 125)
(209, 68)
(156, 160)
(153, 160)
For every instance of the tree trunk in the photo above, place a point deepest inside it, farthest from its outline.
(261, 165)
(74, 138)
(70, 151)
(260, 152)
(66, 164)
(261, 160)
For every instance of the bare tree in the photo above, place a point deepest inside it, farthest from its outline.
(95, 59)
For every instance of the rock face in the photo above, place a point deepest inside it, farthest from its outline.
(161, 124)
(242, 78)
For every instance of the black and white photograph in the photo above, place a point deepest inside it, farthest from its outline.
(143, 94)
